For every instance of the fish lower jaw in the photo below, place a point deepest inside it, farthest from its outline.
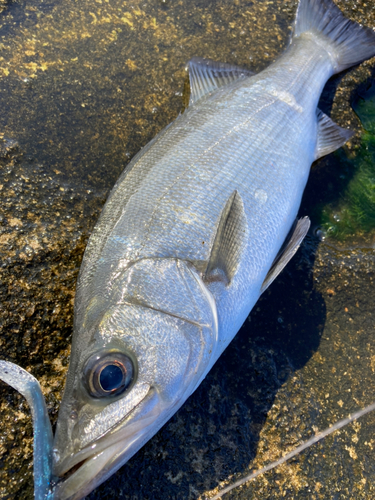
(83, 477)
(123, 431)
(81, 472)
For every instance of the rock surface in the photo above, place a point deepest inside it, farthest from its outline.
(84, 85)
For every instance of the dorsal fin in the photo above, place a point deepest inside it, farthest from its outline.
(230, 240)
(290, 247)
(330, 135)
(207, 76)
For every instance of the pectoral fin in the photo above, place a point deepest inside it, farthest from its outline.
(230, 240)
(290, 247)
(207, 76)
(330, 135)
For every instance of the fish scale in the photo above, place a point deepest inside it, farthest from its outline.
(197, 227)
(219, 173)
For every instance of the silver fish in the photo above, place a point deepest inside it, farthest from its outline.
(189, 238)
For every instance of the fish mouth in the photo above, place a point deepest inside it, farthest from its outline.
(85, 476)
(82, 472)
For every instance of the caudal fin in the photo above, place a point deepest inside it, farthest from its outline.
(349, 42)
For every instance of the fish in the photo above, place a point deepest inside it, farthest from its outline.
(196, 228)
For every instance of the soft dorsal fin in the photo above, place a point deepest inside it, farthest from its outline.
(230, 240)
(206, 76)
(290, 247)
(330, 135)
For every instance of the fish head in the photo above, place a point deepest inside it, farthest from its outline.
(139, 351)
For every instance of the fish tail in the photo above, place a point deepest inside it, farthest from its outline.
(349, 42)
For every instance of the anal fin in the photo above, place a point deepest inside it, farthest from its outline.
(290, 247)
(230, 241)
(330, 135)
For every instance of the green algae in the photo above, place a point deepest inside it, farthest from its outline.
(364, 106)
(353, 213)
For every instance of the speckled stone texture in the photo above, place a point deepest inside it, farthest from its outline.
(83, 86)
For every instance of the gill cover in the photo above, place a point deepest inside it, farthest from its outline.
(147, 354)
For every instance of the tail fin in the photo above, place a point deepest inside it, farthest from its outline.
(350, 42)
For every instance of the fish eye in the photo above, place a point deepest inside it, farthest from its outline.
(108, 374)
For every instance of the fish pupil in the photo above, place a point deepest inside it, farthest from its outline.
(109, 373)
(111, 378)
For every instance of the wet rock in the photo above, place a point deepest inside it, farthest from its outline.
(83, 87)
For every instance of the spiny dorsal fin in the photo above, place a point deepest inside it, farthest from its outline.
(230, 240)
(330, 135)
(207, 76)
(290, 247)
